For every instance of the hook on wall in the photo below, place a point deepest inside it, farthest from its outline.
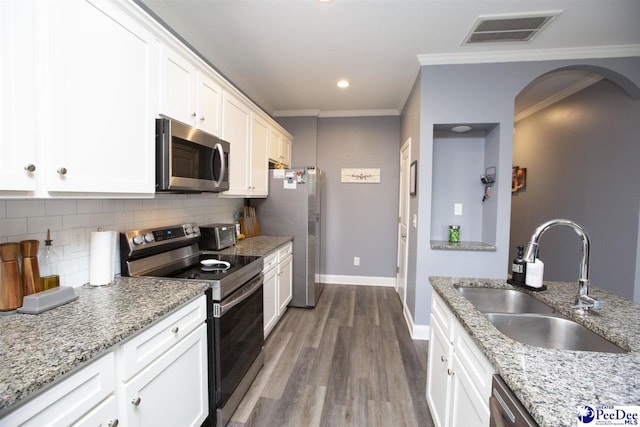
(488, 179)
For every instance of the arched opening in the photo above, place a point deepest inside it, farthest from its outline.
(581, 151)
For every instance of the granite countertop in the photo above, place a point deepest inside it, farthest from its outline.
(445, 245)
(258, 245)
(550, 383)
(37, 350)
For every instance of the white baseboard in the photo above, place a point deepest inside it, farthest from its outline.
(418, 332)
(356, 280)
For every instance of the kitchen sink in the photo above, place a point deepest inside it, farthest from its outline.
(528, 320)
(490, 300)
(550, 332)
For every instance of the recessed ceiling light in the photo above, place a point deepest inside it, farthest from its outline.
(343, 84)
(461, 128)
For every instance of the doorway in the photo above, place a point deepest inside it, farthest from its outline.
(403, 220)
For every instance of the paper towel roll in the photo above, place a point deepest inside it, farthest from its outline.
(102, 257)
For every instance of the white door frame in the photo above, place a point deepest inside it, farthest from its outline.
(403, 234)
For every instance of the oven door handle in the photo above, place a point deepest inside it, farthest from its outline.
(251, 288)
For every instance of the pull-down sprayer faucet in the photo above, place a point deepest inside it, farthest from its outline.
(583, 300)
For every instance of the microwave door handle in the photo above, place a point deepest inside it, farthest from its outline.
(223, 165)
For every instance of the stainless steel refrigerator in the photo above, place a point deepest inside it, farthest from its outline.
(293, 208)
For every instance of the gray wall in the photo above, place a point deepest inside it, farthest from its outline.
(357, 219)
(475, 93)
(583, 167)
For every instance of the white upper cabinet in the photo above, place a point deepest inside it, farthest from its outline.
(188, 94)
(18, 162)
(98, 128)
(259, 167)
(236, 122)
(280, 148)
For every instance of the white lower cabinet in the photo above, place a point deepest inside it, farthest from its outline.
(278, 285)
(158, 378)
(458, 374)
(86, 396)
(172, 391)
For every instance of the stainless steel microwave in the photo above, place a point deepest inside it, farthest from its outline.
(190, 160)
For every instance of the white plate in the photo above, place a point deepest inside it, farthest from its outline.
(214, 262)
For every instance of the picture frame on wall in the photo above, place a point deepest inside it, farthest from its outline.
(413, 174)
(518, 179)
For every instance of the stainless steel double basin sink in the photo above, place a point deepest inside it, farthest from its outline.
(528, 320)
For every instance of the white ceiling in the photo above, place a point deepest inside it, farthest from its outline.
(287, 55)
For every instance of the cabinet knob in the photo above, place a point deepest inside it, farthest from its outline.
(175, 330)
(136, 401)
(450, 371)
(193, 114)
(30, 167)
(442, 358)
(62, 171)
(113, 423)
(202, 119)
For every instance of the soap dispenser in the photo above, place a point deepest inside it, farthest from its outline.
(519, 268)
(535, 271)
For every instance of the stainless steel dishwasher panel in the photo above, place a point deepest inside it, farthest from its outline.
(506, 410)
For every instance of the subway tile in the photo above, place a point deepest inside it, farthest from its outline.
(75, 221)
(42, 223)
(25, 208)
(3, 209)
(133, 205)
(13, 226)
(104, 220)
(89, 206)
(60, 207)
(112, 205)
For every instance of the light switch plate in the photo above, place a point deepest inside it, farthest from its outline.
(457, 209)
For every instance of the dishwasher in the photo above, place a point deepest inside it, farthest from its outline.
(506, 410)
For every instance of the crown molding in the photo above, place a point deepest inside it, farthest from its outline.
(345, 113)
(530, 55)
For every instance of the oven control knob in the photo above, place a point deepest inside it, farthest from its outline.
(188, 230)
(196, 230)
(138, 240)
(149, 237)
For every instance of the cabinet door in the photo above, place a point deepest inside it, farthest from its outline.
(177, 83)
(105, 415)
(270, 295)
(172, 391)
(208, 104)
(468, 408)
(259, 165)
(69, 400)
(100, 131)
(275, 145)
(285, 282)
(18, 102)
(236, 118)
(438, 378)
(286, 151)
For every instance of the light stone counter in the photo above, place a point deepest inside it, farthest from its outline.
(38, 350)
(553, 383)
(258, 245)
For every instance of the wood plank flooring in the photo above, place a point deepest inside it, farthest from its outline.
(348, 362)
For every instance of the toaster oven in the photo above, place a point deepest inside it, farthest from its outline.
(217, 236)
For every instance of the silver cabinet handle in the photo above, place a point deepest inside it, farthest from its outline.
(30, 167)
(113, 423)
(62, 171)
(175, 330)
(442, 358)
(136, 401)
(450, 371)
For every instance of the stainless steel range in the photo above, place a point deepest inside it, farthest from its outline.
(235, 305)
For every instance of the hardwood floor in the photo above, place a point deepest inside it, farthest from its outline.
(348, 362)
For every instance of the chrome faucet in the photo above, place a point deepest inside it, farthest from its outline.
(583, 300)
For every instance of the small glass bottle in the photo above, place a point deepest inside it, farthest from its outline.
(454, 234)
(49, 265)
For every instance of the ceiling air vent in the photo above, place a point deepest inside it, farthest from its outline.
(509, 28)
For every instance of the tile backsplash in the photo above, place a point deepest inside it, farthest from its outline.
(69, 219)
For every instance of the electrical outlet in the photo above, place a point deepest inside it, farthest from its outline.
(457, 209)
(77, 240)
(356, 260)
